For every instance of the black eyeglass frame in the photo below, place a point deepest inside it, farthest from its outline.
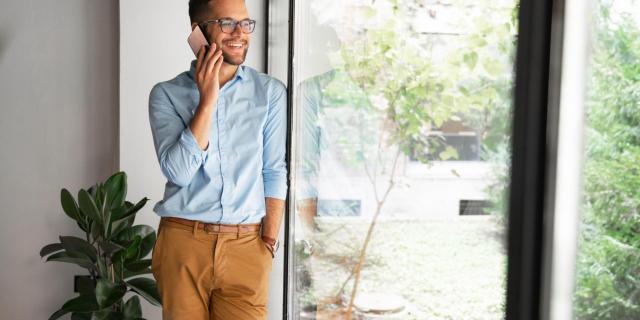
(252, 24)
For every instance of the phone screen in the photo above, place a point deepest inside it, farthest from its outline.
(196, 40)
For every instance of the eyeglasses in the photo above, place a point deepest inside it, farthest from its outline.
(229, 25)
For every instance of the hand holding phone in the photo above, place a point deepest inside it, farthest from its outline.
(208, 66)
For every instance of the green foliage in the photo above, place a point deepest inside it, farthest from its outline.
(113, 252)
(608, 267)
(393, 91)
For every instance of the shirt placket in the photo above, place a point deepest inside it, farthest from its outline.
(226, 167)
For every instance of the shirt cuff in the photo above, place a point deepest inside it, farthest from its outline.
(276, 188)
(188, 141)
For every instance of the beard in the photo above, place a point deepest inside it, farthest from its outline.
(235, 60)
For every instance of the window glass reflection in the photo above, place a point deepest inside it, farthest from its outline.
(402, 114)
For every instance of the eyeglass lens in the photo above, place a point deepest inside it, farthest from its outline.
(228, 26)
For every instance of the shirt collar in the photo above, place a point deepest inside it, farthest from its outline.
(240, 73)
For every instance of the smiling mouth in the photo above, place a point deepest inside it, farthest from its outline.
(234, 44)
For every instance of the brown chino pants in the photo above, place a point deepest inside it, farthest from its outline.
(210, 275)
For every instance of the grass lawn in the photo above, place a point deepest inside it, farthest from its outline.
(444, 268)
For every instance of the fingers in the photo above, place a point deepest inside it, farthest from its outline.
(214, 63)
(204, 55)
(208, 64)
(210, 52)
(218, 63)
(199, 60)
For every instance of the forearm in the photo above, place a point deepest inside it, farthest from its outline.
(273, 218)
(201, 122)
(307, 211)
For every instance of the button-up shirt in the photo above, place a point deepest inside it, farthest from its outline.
(245, 159)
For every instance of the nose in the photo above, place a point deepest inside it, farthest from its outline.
(237, 31)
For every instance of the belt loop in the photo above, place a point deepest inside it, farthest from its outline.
(195, 227)
(238, 231)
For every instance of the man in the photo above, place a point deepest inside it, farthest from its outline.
(219, 132)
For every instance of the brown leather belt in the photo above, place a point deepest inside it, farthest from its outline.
(214, 227)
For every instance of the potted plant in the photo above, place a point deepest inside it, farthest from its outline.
(112, 251)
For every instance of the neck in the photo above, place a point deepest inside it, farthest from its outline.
(226, 72)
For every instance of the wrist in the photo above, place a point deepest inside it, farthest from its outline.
(208, 102)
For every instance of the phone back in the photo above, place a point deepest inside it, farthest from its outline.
(196, 40)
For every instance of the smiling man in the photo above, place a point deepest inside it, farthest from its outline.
(219, 132)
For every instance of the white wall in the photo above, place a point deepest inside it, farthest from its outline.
(153, 48)
(58, 128)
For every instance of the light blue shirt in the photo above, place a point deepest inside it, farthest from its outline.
(245, 160)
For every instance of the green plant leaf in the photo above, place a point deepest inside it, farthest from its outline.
(147, 244)
(82, 225)
(102, 268)
(109, 247)
(80, 245)
(105, 211)
(118, 226)
(132, 309)
(470, 59)
(116, 186)
(138, 265)
(99, 196)
(58, 314)
(82, 303)
(107, 314)
(69, 205)
(92, 190)
(147, 288)
(147, 234)
(133, 210)
(88, 206)
(81, 316)
(50, 248)
(67, 257)
(141, 230)
(96, 230)
(118, 212)
(108, 293)
(85, 285)
(129, 252)
(448, 153)
(133, 249)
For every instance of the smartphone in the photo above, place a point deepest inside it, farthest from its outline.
(196, 40)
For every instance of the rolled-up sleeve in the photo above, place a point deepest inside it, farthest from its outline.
(178, 152)
(274, 167)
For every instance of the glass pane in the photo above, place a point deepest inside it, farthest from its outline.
(401, 136)
(608, 264)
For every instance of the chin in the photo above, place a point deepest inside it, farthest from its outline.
(236, 61)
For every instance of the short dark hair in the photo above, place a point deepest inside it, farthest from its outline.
(197, 8)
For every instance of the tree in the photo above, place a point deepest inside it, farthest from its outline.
(393, 91)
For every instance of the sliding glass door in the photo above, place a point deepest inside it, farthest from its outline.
(400, 158)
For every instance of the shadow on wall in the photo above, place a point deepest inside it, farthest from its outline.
(4, 41)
